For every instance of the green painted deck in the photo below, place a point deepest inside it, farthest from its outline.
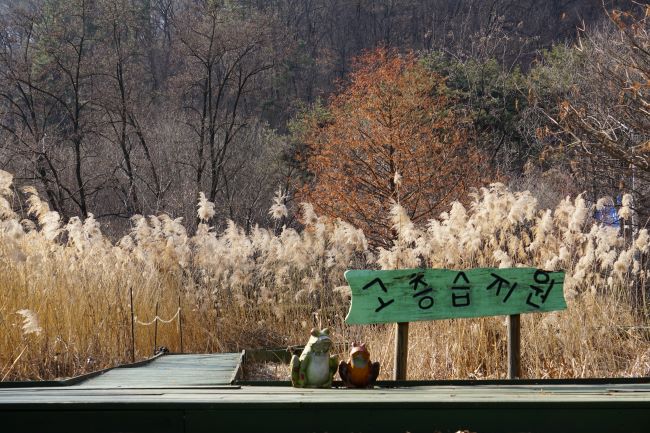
(194, 393)
(172, 371)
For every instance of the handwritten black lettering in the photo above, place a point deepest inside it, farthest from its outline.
(376, 281)
(541, 277)
(383, 304)
(425, 305)
(528, 301)
(462, 275)
(460, 299)
(512, 289)
(539, 292)
(425, 302)
(460, 283)
(545, 295)
(416, 280)
(422, 292)
(500, 281)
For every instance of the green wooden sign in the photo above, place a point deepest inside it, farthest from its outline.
(408, 295)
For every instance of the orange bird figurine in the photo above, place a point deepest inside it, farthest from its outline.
(359, 372)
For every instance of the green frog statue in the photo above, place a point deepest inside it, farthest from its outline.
(315, 368)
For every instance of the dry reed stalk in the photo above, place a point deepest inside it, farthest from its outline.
(241, 290)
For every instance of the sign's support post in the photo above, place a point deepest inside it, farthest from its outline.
(401, 351)
(514, 346)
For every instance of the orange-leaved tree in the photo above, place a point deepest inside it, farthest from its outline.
(392, 135)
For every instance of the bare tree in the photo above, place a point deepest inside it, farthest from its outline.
(126, 100)
(50, 70)
(605, 118)
(225, 58)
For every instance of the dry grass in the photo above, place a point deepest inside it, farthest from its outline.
(267, 371)
(65, 300)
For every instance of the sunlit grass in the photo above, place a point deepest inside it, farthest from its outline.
(65, 290)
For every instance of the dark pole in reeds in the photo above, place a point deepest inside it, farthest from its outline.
(155, 330)
(132, 327)
(180, 321)
(514, 346)
(401, 351)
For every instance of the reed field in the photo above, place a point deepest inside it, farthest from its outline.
(65, 289)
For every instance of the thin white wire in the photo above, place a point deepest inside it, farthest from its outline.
(157, 318)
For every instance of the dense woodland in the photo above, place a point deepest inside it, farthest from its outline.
(125, 107)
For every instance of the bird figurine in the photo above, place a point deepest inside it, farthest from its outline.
(359, 372)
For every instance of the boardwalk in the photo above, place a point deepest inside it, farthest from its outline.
(197, 393)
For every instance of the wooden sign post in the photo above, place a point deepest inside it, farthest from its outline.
(407, 295)
(401, 351)
(514, 346)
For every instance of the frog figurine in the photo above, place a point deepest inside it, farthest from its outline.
(359, 372)
(315, 368)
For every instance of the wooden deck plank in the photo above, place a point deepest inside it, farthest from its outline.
(172, 371)
(224, 413)
(171, 394)
(275, 395)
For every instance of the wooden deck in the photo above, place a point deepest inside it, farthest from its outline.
(196, 393)
(172, 371)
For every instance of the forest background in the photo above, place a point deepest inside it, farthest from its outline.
(111, 110)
